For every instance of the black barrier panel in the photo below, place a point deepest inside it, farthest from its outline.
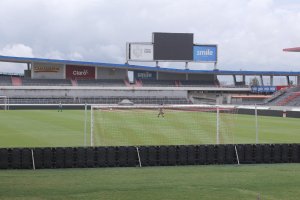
(163, 155)
(267, 155)
(48, 157)
(241, 150)
(80, 157)
(249, 154)
(295, 153)
(69, 157)
(90, 157)
(152, 156)
(202, 155)
(144, 155)
(285, 154)
(192, 153)
(230, 154)
(101, 160)
(172, 155)
(112, 156)
(59, 157)
(122, 157)
(182, 155)
(220, 154)
(271, 113)
(246, 112)
(210, 154)
(4, 159)
(132, 156)
(293, 114)
(277, 153)
(259, 153)
(16, 158)
(26, 159)
(38, 155)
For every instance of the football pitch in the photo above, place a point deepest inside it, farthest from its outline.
(246, 182)
(50, 128)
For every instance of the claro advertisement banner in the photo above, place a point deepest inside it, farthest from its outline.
(80, 72)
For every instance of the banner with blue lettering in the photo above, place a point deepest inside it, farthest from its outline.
(263, 89)
(205, 53)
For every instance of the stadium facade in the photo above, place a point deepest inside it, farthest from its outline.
(92, 81)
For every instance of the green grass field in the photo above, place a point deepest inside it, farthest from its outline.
(41, 128)
(47, 128)
(245, 182)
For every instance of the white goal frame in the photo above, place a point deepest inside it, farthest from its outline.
(140, 106)
(6, 102)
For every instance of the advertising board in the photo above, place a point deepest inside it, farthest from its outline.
(263, 89)
(80, 72)
(205, 53)
(145, 75)
(140, 51)
(47, 71)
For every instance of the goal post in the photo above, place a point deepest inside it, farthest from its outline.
(4, 103)
(137, 125)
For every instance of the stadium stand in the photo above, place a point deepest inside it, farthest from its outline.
(275, 96)
(102, 82)
(99, 100)
(46, 82)
(196, 83)
(284, 97)
(158, 83)
(5, 80)
(16, 81)
(290, 99)
(74, 83)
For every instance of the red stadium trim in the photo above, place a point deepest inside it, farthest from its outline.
(295, 49)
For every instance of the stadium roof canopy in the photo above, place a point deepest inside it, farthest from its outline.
(145, 68)
(295, 49)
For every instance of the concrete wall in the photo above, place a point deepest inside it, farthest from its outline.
(110, 73)
(47, 71)
(171, 76)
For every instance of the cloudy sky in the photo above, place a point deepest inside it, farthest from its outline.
(250, 33)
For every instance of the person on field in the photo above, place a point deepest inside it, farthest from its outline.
(60, 107)
(161, 112)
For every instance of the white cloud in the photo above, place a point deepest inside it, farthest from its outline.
(16, 50)
(250, 33)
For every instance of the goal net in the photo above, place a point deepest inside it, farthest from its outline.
(4, 103)
(115, 125)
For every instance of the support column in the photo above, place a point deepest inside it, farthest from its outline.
(261, 80)
(234, 79)
(186, 65)
(244, 79)
(298, 80)
(271, 80)
(288, 80)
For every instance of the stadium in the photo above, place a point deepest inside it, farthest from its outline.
(62, 114)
